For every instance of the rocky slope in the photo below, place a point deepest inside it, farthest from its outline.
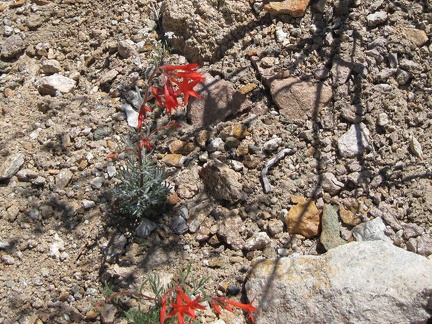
(339, 98)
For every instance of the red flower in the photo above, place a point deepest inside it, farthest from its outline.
(246, 307)
(184, 306)
(142, 114)
(186, 88)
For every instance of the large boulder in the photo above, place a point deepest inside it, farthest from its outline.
(361, 282)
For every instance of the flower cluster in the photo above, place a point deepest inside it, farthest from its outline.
(176, 80)
(182, 306)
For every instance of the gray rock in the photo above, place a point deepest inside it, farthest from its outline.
(376, 18)
(87, 204)
(131, 115)
(298, 99)
(63, 178)
(257, 242)
(102, 132)
(360, 282)
(402, 77)
(179, 225)
(218, 100)
(11, 166)
(371, 231)
(97, 182)
(145, 228)
(108, 77)
(54, 84)
(341, 70)
(355, 141)
(222, 182)
(8, 259)
(330, 233)
(272, 144)
(126, 48)
(412, 230)
(424, 245)
(12, 46)
(51, 66)
(330, 183)
(108, 314)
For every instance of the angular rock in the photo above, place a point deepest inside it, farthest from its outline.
(222, 182)
(126, 48)
(330, 234)
(341, 70)
(26, 175)
(12, 46)
(63, 178)
(294, 8)
(371, 231)
(376, 18)
(257, 242)
(108, 313)
(229, 232)
(424, 245)
(51, 66)
(360, 282)
(303, 218)
(131, 115)
(348, 217)
(179, 225)
(330, 184)
(355, 141)
(175, 160)
(52, 84)
(297, 99)
(145, 228)
(11, 166)
(218, 101)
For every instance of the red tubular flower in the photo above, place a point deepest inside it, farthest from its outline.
(184, 306)
(162, 315)
(246, 307)
(142, 114)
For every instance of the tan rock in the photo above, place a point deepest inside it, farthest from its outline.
(348, 217)
(175, 160)
(298, 99)
(303, 218)
(180, 147)
(416, 36)
(247, 88)
(295, 8)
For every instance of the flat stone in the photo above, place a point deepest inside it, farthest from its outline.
(364, 282)
(371, 231)
(108, 77)
(131, 115)
(416, 36)
(11, 166)
(330, 234)
(294, 8)
(218, 101)
(52, 84)
(303, 218)
(222, 182)
(126, 48)
(297, 99)
(355, 141)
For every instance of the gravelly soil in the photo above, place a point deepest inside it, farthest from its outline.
(59, 241)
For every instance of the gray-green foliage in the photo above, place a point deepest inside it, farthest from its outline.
(142, 189)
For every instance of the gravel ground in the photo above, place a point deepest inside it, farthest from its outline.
(355, 127)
